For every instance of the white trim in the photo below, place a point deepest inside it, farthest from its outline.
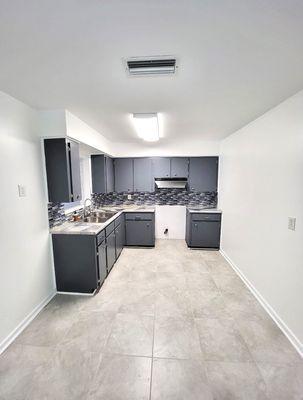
(267, 307)
(26, 321)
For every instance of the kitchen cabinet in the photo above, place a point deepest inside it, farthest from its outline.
(203, 230)
(124, 175)
(179, 167)
(119, 240)
(102, 261)
(77, 264)
(111, 250)
(203, 174)
(140, 229)
(62, 170)
(142, 175)
(102, 174)
(160, 167)
(110, 174)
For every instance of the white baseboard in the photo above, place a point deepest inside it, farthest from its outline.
(267, 307)
(78, 294)
(26, 321)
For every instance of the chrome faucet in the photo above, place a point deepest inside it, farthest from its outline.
(85, 207)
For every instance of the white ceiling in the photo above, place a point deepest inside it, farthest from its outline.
(237, 60)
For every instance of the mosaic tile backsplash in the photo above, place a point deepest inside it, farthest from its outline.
(172, 197)
(56, 214)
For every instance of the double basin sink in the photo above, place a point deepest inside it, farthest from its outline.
(99, 217)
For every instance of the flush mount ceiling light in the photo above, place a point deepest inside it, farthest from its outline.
(147, 126)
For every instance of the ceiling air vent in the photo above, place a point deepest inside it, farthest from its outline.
(151, 65)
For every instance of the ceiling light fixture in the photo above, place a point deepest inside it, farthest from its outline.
(147, 126)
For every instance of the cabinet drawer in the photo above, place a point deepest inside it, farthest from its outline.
(110, 228)
(139, 216)
(206, 217)
(100, 237)
(119, 220)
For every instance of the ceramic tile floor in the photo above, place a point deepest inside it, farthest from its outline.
(169, 323)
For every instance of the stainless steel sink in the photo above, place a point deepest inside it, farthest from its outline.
(98, 217)
(95, 220)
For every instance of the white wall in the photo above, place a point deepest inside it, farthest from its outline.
(167, 148)
(62, 123)
(26, 271)
(79, 130)
(261, 185)
(172, 218)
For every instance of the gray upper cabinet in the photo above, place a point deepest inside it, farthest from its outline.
(124, 175)
(63, 170)
(102, 174)
(203, 174)
(179, 167)
(110, 175)
(161, 167)
(142, 175)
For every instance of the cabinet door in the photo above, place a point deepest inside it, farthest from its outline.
(76, 266)
(111, 250)
(62, 170)
(98, 174)
(179, 167)
(139, 233)
(119, 244)
(109, 175)
(142, 175)
(74, 158)
(161, 167)
(203, 174)
(205, 234)
(124, 175)
(102, 264)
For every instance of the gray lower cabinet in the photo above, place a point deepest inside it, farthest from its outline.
(119, 244)
(120, 234)
(143, 175)
(203, 230)
(62, 170)
(76, 262)
(111, 250)
(203, 174)
(139, 229)
(102, 261)
(124, 175)
(179, 167)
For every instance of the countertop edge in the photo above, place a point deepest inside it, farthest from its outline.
(67, 230)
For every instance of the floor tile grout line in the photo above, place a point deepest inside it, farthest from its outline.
(152, 360)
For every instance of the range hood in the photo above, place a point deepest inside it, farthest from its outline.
(170, 183)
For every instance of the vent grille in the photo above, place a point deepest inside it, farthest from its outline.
(151, 66)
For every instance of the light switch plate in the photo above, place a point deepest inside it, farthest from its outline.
(292, 223)
(22, 191)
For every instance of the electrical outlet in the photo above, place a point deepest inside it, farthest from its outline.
(22, 191)
(129, 197)
(292, 223)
